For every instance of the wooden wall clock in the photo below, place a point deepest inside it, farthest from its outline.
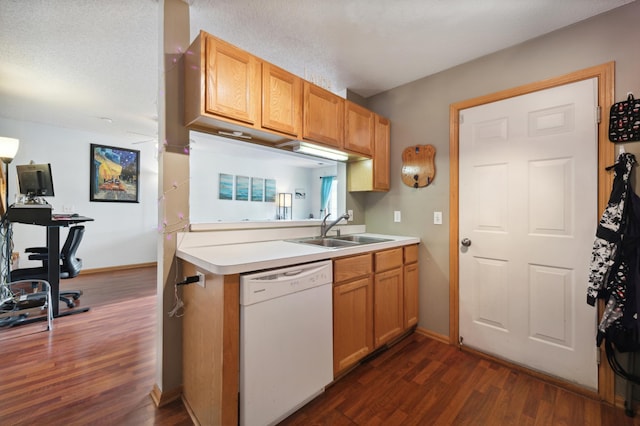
(418, 165)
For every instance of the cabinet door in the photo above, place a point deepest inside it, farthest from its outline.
(381, 156)
(358, 129)
(323, 116)
(388, 319)
(352, 323)
(281, 100)
(232, 82)
(410, 295)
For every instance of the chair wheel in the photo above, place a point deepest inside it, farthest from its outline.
(68, 302)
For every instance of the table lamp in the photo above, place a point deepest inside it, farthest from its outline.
(284, 205)
(8, 150)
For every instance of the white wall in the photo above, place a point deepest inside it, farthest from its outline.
(211, 155)
(122, 233)
(126, 233)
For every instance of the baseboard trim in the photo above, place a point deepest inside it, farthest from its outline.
(538, 375)
(163, 398)
(621, 402)
(194, 419)
(549, 379)
(118, 268)
(432, 335)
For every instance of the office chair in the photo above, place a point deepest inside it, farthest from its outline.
(20, 302)
(70, 265)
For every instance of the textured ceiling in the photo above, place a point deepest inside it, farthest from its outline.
(72, 62)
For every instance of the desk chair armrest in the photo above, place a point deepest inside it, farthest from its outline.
(36, 250)
(40, 255)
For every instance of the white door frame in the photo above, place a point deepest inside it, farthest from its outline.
(606, 94)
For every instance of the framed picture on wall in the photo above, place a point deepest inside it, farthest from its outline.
(114, 174)
(270, 190)
(257, 189)
(242, 188)
(225, 186)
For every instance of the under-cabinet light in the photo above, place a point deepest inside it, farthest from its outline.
(319, 151)
(235, 134)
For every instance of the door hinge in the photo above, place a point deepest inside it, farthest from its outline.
(598, 114)
(460, 340)
(461, 119)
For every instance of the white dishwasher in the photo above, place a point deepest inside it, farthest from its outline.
(286, 340)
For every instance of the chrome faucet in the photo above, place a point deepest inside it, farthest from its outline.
(324, 228)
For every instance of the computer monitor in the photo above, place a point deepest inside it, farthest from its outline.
(35, 180)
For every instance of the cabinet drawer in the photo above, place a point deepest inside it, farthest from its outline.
(351, 267)
(411, 254)
(388, 259)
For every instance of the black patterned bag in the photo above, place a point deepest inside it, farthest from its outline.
(624, 120)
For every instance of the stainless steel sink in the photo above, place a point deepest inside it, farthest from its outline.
(326, 242)
(361, 239)
(338, 242)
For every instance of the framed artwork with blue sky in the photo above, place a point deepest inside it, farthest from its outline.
(114, 174)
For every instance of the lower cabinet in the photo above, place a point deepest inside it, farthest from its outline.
(388, 296)
(352, 322)
(374, 301)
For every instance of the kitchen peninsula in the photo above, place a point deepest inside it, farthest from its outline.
(362, 322)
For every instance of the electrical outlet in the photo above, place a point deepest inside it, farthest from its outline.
(200, 282)
(350, 213)
(397, 216)
(437, 218)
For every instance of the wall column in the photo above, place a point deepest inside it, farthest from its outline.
(173, 193)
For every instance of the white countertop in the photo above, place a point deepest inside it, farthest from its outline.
(246, 257)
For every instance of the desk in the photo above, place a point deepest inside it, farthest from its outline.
(41, 215)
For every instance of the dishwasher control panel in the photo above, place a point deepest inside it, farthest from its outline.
(265, 285)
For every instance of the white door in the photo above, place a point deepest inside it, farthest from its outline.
(528, 207)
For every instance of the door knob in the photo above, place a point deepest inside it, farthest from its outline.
(466, 242)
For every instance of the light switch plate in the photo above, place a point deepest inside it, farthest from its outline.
(397, 216)
(437, 218)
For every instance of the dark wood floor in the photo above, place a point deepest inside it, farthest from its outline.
(94, 368)
(421, 381)
(97, 368)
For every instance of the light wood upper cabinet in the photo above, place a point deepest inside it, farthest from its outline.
(233, 93)
(381, 154)
(232, 82)
(373, 174)
(323, 116)
(358, 129)
(281, 100)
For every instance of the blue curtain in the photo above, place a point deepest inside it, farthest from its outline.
(325, 192)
